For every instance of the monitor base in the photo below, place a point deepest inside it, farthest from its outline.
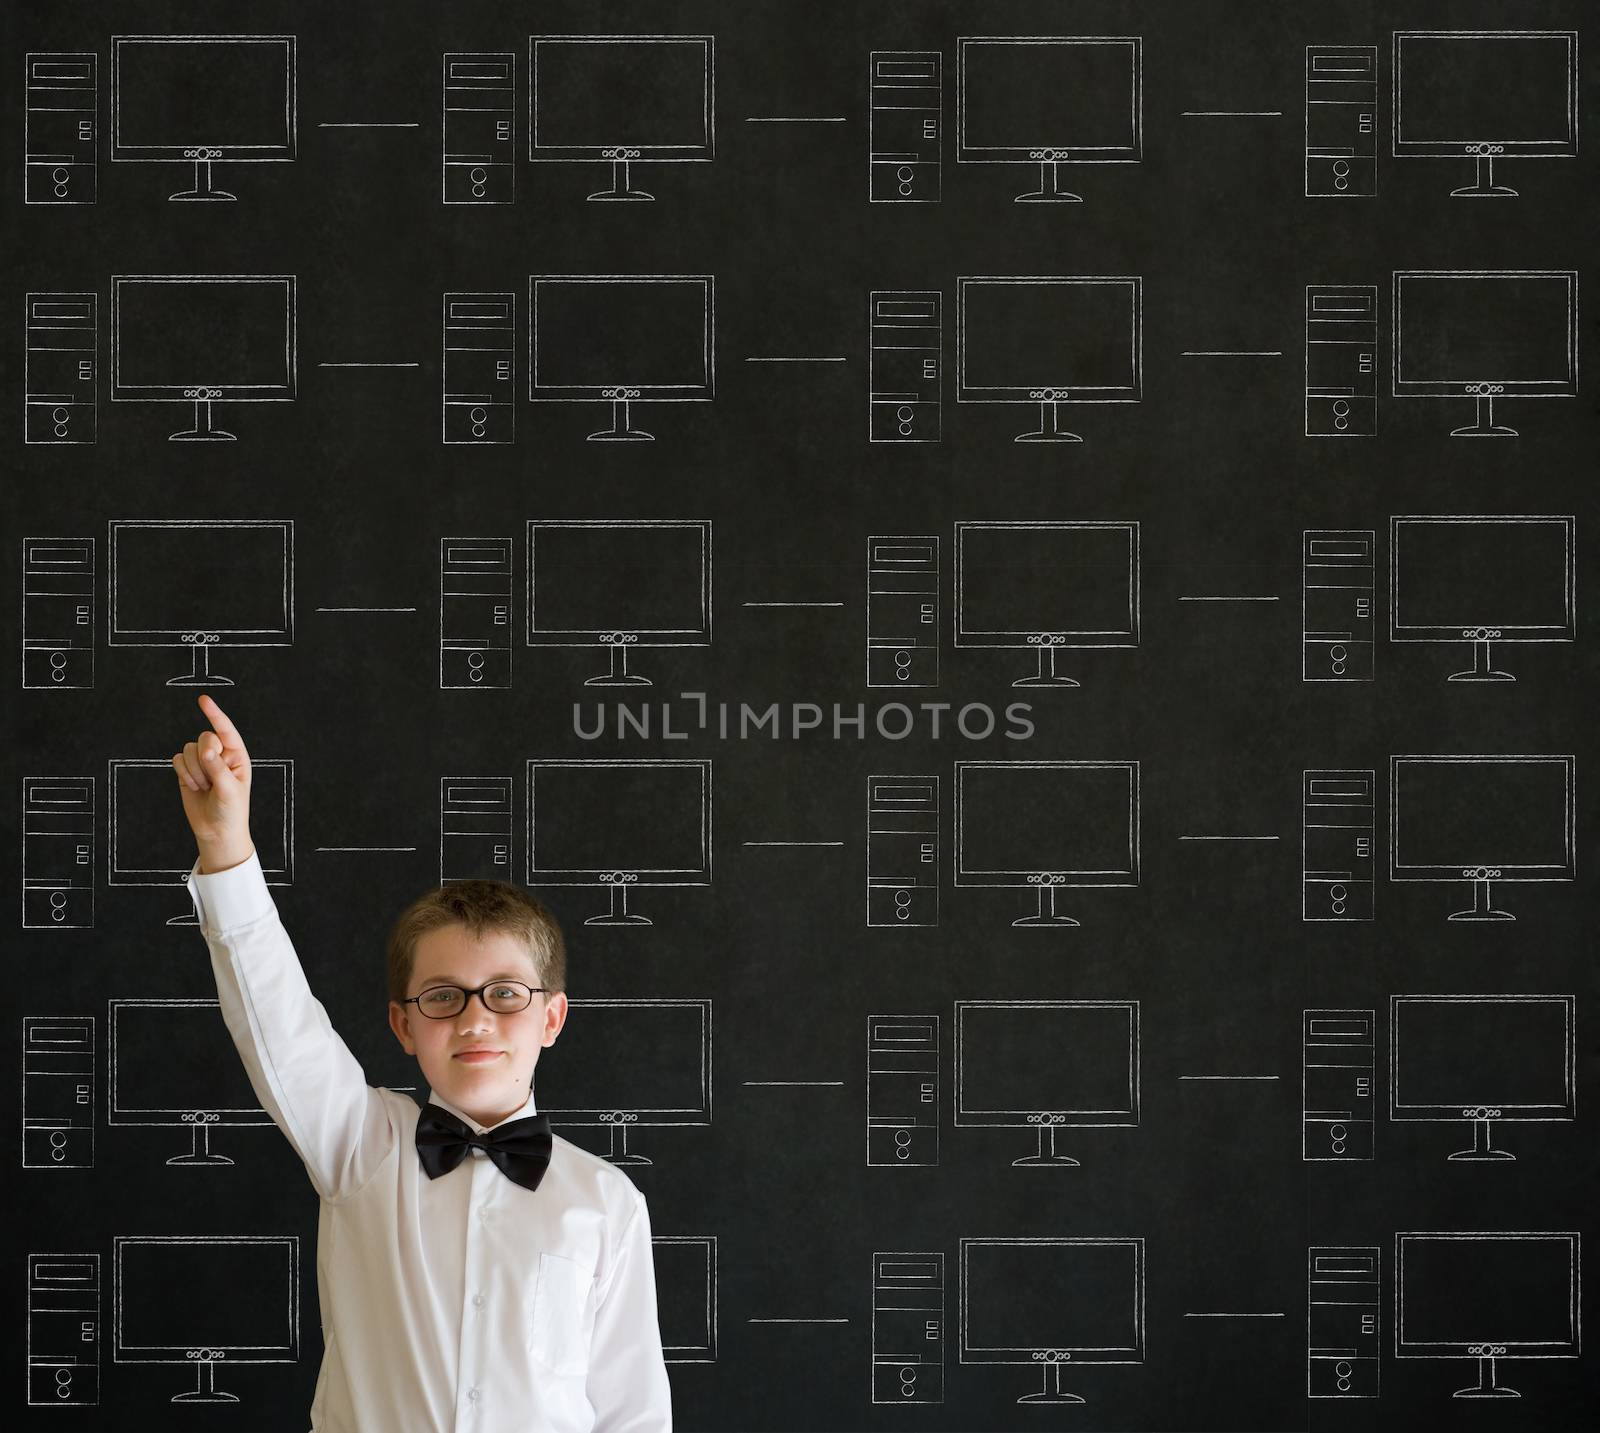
(202, 195)
(188, 918)
(1483, 191)
(210, 1396)
(1475, 1154)
(1479, 676)
(622, 435)
(1040, 435)
(1043, 918)
(200, 679)
(619, 918)
(203, 435)
(629, 1159)
(1050, 1398)
(1486, 1393)
(637, 194)
(1039, 679)
(623, 679)
(193, 1158)
(1043, 1158)
(1480, 915)
(1044, 196)
(1484, 430)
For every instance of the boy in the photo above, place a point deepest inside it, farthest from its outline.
(474, 1271)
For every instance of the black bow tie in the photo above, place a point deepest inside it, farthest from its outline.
(521, 1148)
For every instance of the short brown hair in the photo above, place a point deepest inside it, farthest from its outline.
(482, 907)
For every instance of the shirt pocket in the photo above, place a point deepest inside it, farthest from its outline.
(557, 1339)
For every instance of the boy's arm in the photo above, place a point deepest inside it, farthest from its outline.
(627, 1384)
(302, 1072)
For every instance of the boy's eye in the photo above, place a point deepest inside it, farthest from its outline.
(504, 990)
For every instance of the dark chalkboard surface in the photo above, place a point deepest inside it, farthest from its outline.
(1019, 577)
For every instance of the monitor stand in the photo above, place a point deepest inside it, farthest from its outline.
(1487, 1387)
(619, 913)
(619, 675)
(1482, 669)
(1484, 187)
(1049, 429)
(1052, 1391)
(202, 432)
(1481, 910)
(200, 673)
(1046, 914)
(1046, 1153)
(619, 431)
(1485, 426)
(200, 1146)
(1046, 676)
(1482, 1144)
(1049, 190)
(204, 1391)
(619, 1147)
(202, 181)
(619, 185)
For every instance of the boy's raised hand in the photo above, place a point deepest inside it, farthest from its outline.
(214, 781)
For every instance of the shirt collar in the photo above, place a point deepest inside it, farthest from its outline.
(528, 1108)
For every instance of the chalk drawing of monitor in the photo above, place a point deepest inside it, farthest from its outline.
(142, 849)
(622, 339)
(1482, 580)
(1488, 1296)
(1045, 825)
(1050, 1302)
(203, 99)
(1045, 1065)
(1049, 100)
(1049, 340)
(173, 1064)
(1483, 1059)
(203, 339)
(617, 824)
(1482, 819)
(199, 585)
(1485, 334)
(622, 99)
(630, 1064)
(618, 584)
(202, 1301)
(1483, 95)
(1044, 586)
(686, 1296)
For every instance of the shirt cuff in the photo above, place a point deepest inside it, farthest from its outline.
(235, 897)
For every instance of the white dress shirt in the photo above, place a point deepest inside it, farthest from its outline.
(465, 1303)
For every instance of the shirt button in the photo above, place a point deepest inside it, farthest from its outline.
(477, 1301)
(472, 1393)
(483, 1211)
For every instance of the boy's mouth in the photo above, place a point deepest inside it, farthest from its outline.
(479, 1057)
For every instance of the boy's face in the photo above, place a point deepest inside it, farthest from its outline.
(491, 1087)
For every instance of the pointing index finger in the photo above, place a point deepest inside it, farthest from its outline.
(219, 721)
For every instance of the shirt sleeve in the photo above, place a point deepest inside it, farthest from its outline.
(628, 1386)
(302, 1072)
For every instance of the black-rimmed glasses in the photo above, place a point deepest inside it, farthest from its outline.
(503, 997)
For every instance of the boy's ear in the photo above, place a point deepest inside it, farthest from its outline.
(398, 1022)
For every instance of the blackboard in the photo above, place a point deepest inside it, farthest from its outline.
(1261, 797)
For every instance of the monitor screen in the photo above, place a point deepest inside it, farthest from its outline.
(1453, 1053)
(594, 93)
(686, 1297)
(171, 1058)
(1078, 1058)
(152, 1326)
(1078, 580)
(1024, 1296)
(1019, 94)
(1079, 336)
(142, 848)
(1517, 89)
(1452, 575)
(649, 1058)
(647, 819)
(1513, 814)
(1512, 328)
(1455, 1292)
(232, 332)
(233, 93)
(648, 579)
(1014, 819)
(231, 579)
(590, 333)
